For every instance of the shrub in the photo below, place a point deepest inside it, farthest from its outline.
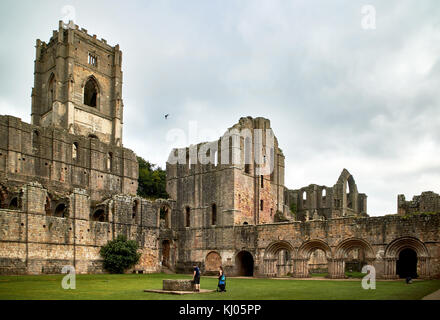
(120, 254)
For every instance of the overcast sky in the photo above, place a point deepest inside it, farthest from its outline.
(338, 96)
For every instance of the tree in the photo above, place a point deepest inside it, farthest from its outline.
(120, 254)
(152, 180)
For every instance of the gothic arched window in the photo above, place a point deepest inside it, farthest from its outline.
(91, 93)
(51, 91)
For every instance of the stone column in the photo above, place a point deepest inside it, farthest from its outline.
(424, 267)
(390, 268)
(336, 268)
(301, 268)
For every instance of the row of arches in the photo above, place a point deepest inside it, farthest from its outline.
(403, 257)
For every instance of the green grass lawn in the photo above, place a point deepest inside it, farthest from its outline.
(130, 287)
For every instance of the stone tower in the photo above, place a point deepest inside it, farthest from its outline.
(78, 85)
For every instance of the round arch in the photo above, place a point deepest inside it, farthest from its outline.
(99, 215)
(344, 247)
(277, 259)
(407, 255)
(396, 246)
(213, 261)
(61, 210)
(275, 247)
(244, 263)
(309, 246)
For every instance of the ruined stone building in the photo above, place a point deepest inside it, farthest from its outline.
(320, 202)
(68, 186)
(427, 202)
(253, 225)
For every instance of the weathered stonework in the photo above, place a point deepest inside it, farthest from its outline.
(249, 241)
(320, 202)
(30, 153)
(33, 242)
(63, 68)
(427, 202)
(67, 187)
(178, 285)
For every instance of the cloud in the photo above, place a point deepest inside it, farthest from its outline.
(338, 96)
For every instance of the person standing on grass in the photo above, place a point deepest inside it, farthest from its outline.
(196, 276)
(221, 280)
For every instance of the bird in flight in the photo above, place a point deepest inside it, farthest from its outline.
(166, 116)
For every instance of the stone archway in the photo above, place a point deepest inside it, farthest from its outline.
(396, 254)
(406, 265)
(244, 264)
(278, 259)
(213, 261)
(304, 254)
(354, 252)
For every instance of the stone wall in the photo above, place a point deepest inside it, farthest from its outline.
(427, 202)
(33, 242)
(340, 239)
(62, 162)
(243, 193)
(316, 202)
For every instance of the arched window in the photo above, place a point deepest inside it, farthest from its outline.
(35, 141)
(51, 91)
(13, 205)
(187, 217)
(109, 161)
(349, 198)
(135, 209)
(75, 151)
(91, 93)
(324, 195)
(61, 211)
(213, 214)
(99, 216)
(247, 155)
(164, 217)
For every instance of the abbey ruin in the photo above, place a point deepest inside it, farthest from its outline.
(68, 186)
